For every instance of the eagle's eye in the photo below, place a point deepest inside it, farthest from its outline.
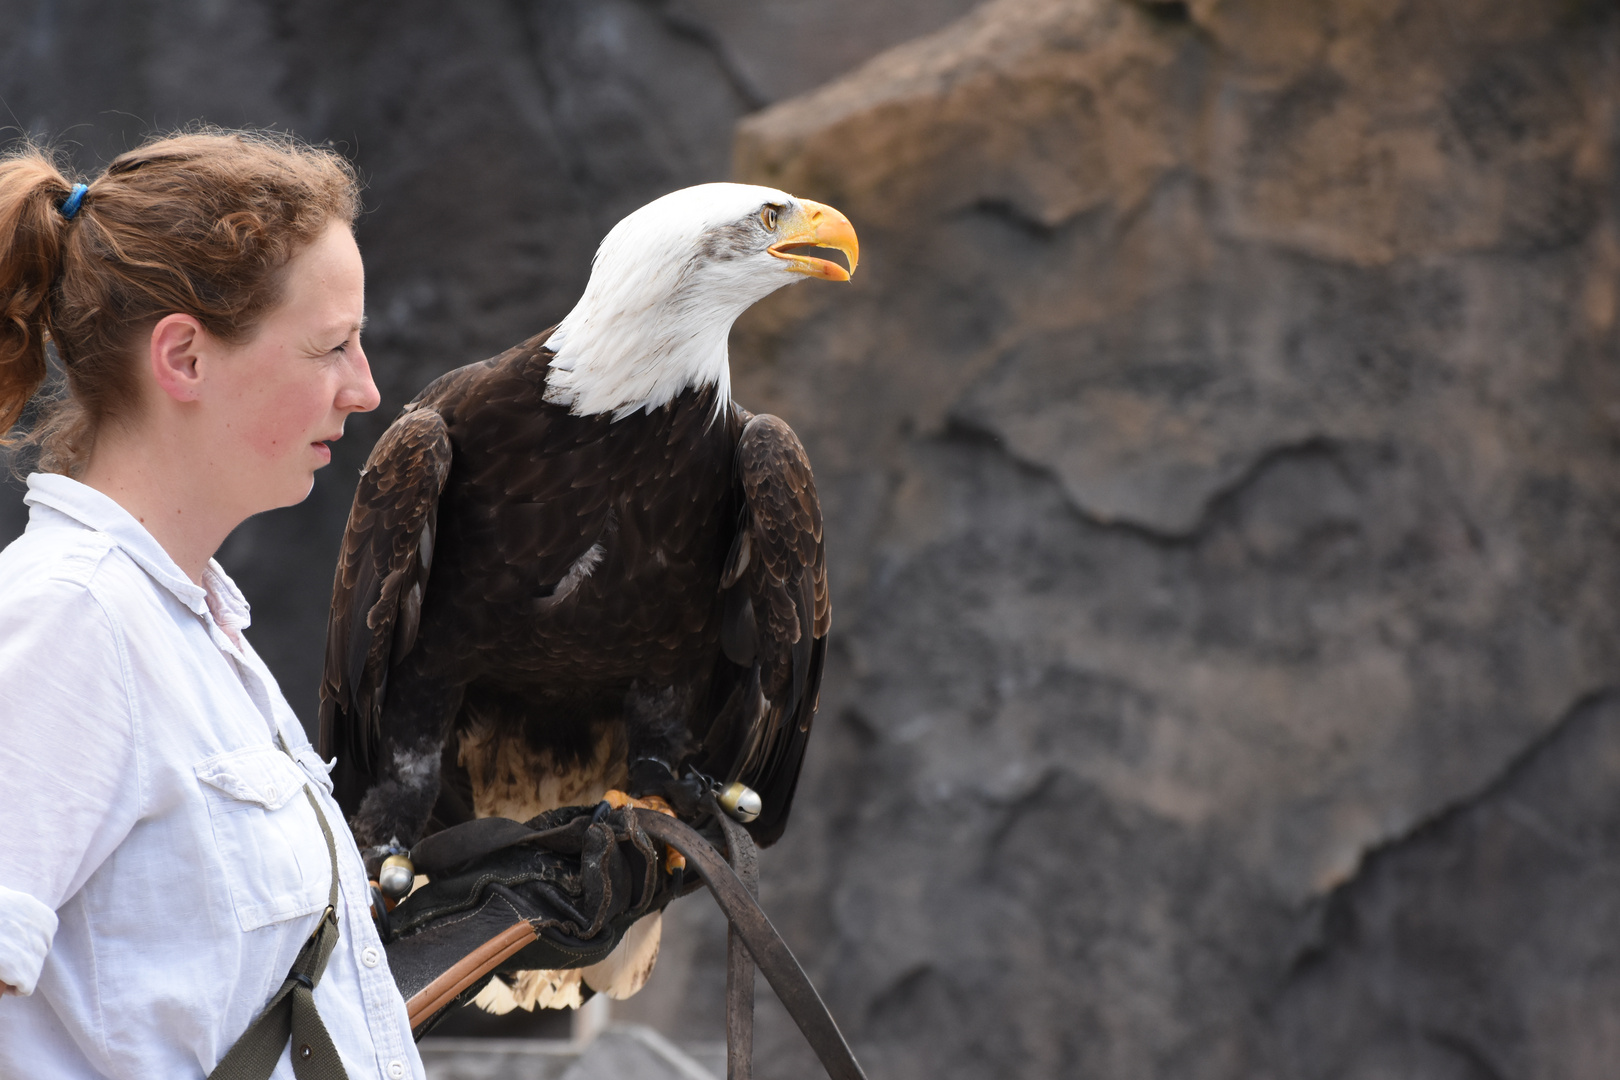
(768, 217)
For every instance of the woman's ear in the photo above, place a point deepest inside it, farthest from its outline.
(173, 354)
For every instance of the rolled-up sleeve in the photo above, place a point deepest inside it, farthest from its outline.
(70, 785)
(26, 929)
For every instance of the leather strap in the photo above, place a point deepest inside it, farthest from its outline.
(744, 859)
(770, 952)
(291, 1012)
(438, 994)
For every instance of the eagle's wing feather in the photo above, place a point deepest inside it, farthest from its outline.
(778, 626)
(381, 577)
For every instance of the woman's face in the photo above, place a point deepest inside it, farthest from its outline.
(287, 391)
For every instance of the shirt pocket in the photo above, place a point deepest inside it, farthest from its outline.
(271, 851)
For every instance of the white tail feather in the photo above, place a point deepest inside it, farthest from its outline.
(530, 990)
(628, 967)
(622, 973)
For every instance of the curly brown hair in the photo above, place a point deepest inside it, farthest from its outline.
(201, 222)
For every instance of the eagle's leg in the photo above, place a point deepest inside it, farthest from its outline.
(658, 741)
(405, 775)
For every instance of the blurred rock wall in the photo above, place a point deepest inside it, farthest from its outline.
(1222, 444)
(1219, 448)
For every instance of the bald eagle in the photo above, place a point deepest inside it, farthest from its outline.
(580, 568)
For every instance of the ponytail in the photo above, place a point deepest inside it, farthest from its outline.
(32, 230)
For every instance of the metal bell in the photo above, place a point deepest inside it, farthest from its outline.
(741, 802)
(395, 878)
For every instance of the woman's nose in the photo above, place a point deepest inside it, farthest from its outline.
(359, 393)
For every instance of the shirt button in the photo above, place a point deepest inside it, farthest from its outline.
(271, 793)
(396, 1069)
(369, 956)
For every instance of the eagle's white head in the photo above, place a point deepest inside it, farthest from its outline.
(668, 282)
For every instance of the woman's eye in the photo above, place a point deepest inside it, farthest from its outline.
(768, 216)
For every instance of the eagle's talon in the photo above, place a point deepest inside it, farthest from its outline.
(673, 860)
(619, 800)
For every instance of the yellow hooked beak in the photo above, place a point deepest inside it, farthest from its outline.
(814, 225)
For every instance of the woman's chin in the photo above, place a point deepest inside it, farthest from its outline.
(287, 484)
(292, 493)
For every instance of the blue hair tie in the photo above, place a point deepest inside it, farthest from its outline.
(74, 201)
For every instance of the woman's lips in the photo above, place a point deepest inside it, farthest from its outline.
(325, 450)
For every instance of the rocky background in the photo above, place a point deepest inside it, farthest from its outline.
(1220, 447)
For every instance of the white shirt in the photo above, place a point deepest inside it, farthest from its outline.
(160, 866)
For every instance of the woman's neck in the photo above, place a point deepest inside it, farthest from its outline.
(162, 489)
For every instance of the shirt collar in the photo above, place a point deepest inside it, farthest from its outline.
(226, 603)
(94, 510)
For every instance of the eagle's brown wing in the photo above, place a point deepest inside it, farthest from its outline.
(775, 622)
(381, 576)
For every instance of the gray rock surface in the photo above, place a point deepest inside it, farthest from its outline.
(1484, 944)
(1220, 448)
(1222, 441)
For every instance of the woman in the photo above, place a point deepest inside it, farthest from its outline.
(162, 854)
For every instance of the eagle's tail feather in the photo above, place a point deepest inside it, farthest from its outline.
(622, 973)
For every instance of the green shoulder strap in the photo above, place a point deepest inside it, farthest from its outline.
(291, 1012)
